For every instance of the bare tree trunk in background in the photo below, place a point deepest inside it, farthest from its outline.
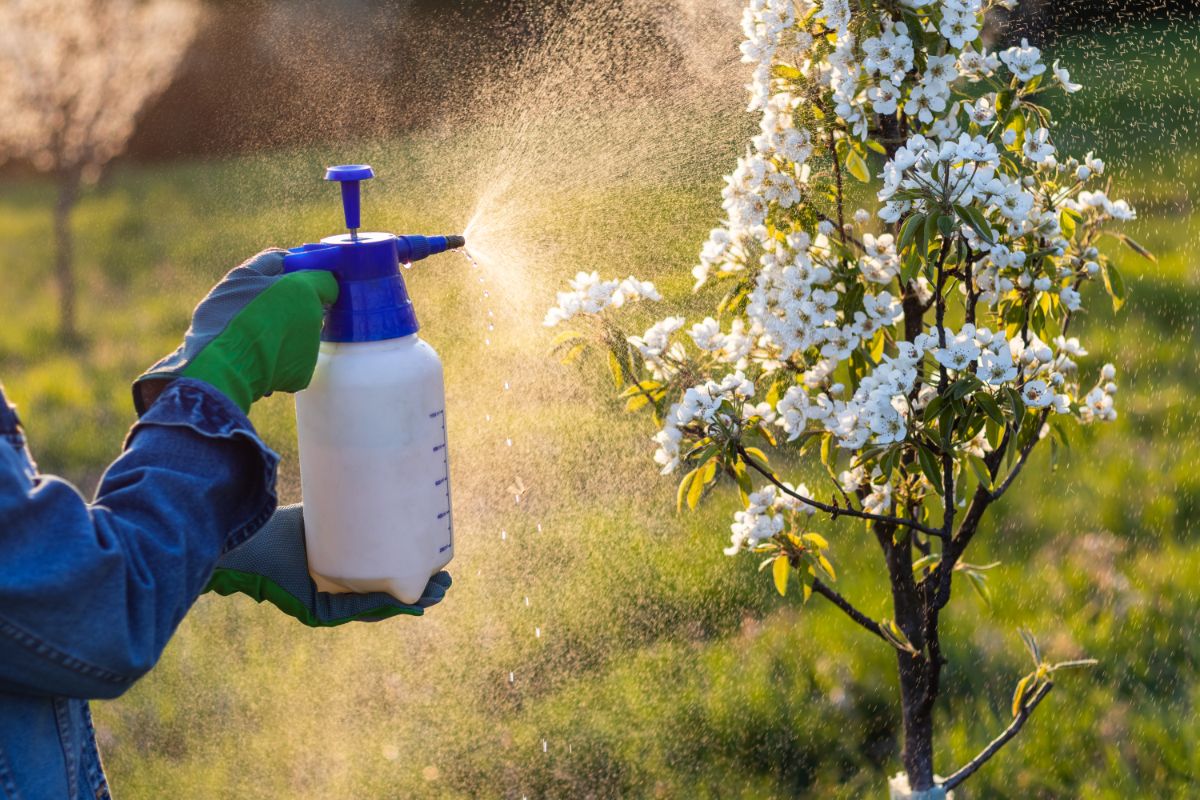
(64, 255)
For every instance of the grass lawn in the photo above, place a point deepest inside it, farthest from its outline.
(595, 644)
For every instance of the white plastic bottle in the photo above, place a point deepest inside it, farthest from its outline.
(374, 467)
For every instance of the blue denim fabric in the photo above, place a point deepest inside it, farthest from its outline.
(91, 592)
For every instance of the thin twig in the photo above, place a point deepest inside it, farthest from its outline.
(862, 619)
(834, 510)
(978, 761)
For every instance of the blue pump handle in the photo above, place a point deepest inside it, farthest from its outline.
(350, 175)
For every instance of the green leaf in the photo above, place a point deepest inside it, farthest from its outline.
(929, 466)
(908, 231)
(946, 226)
(1017, 405)
(780, 571)
(928, 232)
(979, 583)
(981, 471)
(1114, 284)
(990, 407)
(1031, 645)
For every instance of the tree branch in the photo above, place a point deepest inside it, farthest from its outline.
(834, 510)
(1016, 470)
(1018, 722)
(862, 619)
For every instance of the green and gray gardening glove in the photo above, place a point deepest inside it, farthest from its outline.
(256, 332)
(273, 566)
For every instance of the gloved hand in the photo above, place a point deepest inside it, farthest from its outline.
(256, 332)
(273, 566)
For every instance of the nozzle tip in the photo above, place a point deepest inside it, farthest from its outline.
(455, 242)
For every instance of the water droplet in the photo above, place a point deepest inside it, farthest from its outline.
(503, 535)
(506, 386)
(508, 442)
(537, 633)
(539, 527)
(511, 677)
(407, 265)
(527, 601)
(545, 746)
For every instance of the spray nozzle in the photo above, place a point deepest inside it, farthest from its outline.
(372, 302)
(350, 175)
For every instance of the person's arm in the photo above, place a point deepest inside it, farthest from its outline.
(91, 592)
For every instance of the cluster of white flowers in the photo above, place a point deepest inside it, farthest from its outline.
(590, 295)
(656, 348)
(876, 492)
(765, 516)
(794, 302)
(703, 405)
(821, 309)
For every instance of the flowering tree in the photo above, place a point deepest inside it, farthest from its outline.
(919, 353)
(76, 75)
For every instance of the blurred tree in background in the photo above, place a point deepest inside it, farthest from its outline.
(76, 75)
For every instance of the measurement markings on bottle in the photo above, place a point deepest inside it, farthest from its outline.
(445, 479)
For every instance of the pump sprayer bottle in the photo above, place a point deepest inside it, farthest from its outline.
(374, 470)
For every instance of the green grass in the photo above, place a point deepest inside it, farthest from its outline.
(663, 669)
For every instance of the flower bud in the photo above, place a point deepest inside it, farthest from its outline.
(1108, 372)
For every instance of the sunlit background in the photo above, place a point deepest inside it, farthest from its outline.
(594, 644)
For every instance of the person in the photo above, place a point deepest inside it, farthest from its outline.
(90, 593)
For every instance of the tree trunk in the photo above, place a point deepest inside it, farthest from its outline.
(64, 273)
(917, 755)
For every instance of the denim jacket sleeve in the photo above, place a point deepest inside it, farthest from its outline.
(91, 592)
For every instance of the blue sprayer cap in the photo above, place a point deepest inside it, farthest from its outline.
(373, 303)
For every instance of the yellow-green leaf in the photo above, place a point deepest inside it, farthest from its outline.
(618, 375)
(1019, 694)
(573, 354)
(567, 336)
(684, 486)
(816, 540)
(759, 455)
(636, 402)
(857, 166)
(826, 565)
(780, 571)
